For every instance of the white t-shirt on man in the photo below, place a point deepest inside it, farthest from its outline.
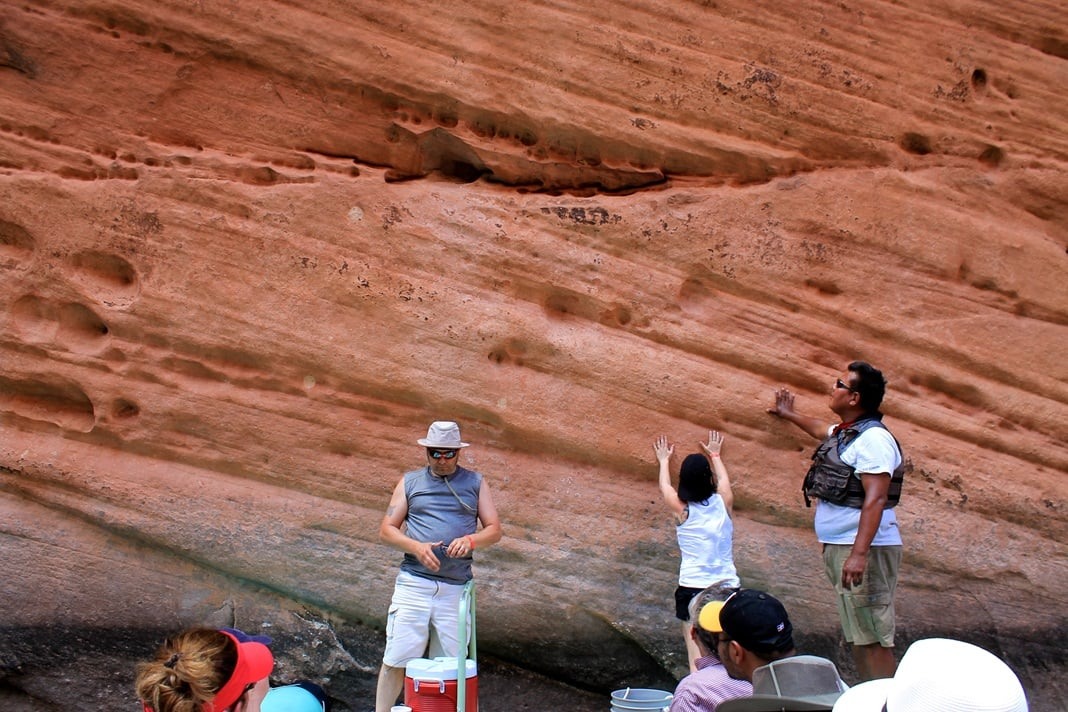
(874, 450)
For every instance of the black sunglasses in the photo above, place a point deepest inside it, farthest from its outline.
(844, 386)
(439, 454)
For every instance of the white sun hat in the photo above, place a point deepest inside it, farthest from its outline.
(940, 675)
(444, 434)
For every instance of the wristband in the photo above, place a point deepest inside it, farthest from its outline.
(470, 542)
(713, 454)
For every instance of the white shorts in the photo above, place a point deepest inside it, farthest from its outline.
(422, 613)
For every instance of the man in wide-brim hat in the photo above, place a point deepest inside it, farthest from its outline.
(433, 518)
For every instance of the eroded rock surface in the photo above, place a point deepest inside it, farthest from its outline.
(248, 250)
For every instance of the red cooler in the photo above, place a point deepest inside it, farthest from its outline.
(430, 685)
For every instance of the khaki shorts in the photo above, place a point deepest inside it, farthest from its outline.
(867, 610)
(422, 614)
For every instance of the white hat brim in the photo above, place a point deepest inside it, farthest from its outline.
(451, 446)
(866, 697)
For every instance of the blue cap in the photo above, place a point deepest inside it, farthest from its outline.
(291, 698)
(246, 638)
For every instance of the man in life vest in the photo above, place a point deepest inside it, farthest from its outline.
(856, 478)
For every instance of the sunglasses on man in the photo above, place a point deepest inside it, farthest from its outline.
(442, 454)
(839, 383)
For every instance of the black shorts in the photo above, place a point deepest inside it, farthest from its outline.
(683, 596)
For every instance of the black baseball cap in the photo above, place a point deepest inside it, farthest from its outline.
(758, 621)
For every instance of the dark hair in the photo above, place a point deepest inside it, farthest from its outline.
(869, 384)
(708, 639)
(696, 483)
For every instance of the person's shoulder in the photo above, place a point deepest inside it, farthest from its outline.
(302, 696)
(414, 476)
(872, 424)
(687, 692)
(877, 432)
(713, 504)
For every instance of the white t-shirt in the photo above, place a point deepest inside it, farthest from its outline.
(706, 542)
(874, 450)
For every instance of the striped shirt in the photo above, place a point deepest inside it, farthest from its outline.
(703, 690)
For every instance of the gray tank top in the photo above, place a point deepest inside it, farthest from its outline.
(434, 514)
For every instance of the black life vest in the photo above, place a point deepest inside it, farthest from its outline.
(833, 481)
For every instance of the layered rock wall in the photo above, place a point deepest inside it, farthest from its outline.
(248, 250)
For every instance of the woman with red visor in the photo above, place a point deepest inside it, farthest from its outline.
(205, 670)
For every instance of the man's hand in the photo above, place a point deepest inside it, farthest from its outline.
(424, 551)
(784, 408)
(784, 403)
(853, 570)
(663, 449)
(876, 489)
(459, 547)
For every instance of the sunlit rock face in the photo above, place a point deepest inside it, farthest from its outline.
(249, 250)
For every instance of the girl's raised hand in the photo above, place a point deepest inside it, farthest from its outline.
(663, 449)
(714, 444)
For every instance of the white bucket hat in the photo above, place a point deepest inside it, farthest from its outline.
(444, 434)
(940, 675)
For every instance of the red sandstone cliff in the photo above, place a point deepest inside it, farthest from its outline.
(248, 250)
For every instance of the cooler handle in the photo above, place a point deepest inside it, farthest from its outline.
(417, 680)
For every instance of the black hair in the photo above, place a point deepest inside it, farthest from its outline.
(696, 483)
(869, 384)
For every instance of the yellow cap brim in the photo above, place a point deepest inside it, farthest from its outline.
(709, 617)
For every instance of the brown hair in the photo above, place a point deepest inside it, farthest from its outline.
(187, 671)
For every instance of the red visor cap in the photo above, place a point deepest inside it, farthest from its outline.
(254, 662)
